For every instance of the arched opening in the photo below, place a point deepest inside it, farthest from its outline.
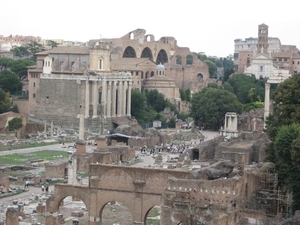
(115, 213)
(147, 53)
(72, 209)
(195, 154)
(129, 52)
(189, 60)
(131, 36)
(162, 57)
(153, 216)
(199, 76)
(178, 59)
(152, 73)
(147, 74)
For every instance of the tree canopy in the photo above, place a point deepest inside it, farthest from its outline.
(15, 124)
(286, 107)
(242, 84)
(208, 107)
(5, 101)
(283, 128)
(10, 82)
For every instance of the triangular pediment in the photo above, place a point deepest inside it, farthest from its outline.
(261, 56)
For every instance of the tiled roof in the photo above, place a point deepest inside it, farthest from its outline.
(67, 50)
(282, 54)
(131, 61)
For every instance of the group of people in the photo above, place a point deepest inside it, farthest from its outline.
(170, 148)
(45, 189)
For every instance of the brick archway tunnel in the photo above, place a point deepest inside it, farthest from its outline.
(138, 188)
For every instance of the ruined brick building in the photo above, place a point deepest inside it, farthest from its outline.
(96, 80)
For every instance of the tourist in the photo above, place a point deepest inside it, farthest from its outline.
(43, 188)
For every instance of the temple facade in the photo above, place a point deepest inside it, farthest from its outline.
(76, 80)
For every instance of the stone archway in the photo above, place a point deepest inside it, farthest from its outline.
(129, 52)
(115, 212)
(189, 60)
(162, 57)
(147, 53)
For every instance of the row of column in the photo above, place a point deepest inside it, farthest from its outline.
(115, 100)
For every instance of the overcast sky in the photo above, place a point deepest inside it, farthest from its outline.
(209, 26)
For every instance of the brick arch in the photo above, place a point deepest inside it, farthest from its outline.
(162, 57)
(121, 180)
(147, 53)
(178, 60)
(189, 59)
(118, 197)
(62, 191)
(129, 52)
(149, 208)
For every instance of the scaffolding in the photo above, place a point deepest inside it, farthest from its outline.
(271, 197)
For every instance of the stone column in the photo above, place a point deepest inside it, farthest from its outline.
(124, 98)
(109, 99)
(45, 129)
(254, 124)
(129, 99)
(120, 99)
(114, 99)
(95, 98)
(103, 99)
(81, 127)
(72, 169)
(225, 125)
(51, 129)
(267, 102)
(12, 215)
(87, 98)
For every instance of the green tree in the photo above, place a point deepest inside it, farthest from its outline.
(286, 107)
(172, 123)
(5, 101)
(242, 83)
(35, 47)
(283, 128)
(212, 68)
(15, 124)
(5, 63)
(10, 82)
(208, 107)
(20, 51)
(19, 67)
(52, 44)
(287, 158)
(138, 105)
(227, 73)
(155, 100)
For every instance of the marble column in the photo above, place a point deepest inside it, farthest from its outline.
(95, 98)
(120, 99)
(129, 99)
(87, 98)
(109, 99)
(103, 99)
(114, 99)
(267, 102)
(52, 124)
(81, 127)
(124, 98)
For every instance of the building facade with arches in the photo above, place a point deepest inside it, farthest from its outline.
(181, 65)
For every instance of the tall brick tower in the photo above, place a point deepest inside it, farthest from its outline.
(262, 42)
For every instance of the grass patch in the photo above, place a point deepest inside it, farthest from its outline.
(12, 194)
(26, 158)
(25, 145)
